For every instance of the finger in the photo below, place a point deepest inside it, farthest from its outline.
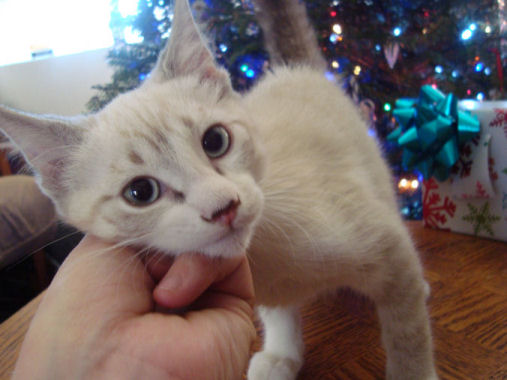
(237, 283)
(189, 276)
(99, 271)
(158, 265)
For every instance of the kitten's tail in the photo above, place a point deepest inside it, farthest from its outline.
(288, 34)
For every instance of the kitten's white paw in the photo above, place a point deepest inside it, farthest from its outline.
(267, 366)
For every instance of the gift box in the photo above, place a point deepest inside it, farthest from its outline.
(473, 199)
(460, 148)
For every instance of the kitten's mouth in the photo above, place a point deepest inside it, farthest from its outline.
(229, 232)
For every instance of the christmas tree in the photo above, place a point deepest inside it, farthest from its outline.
(382, 50)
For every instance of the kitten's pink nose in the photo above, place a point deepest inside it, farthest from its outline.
(225, 215)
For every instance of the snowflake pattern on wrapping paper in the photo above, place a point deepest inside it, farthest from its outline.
(491, 167)
(464, 164)
(480, 192)
(500, 120)
(435, 212)
(481, 218)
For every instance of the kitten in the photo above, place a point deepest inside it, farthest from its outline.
(183, 163)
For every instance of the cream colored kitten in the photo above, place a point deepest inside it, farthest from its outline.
(287, 171)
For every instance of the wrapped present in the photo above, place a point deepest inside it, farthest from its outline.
(473, 199)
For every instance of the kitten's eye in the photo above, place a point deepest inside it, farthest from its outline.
(142, 191)
(216, 141)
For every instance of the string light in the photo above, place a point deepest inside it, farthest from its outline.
(479, 67)
(439, 69)
(408, 184)
(480, 96)
(223, 48)
(397, 31)
(337, 28)
(357, 70)
(466, 34)
(387, 107)
(335, 65)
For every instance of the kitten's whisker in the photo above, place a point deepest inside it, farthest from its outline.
(100, 252)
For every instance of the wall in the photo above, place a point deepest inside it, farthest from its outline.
(59, 85)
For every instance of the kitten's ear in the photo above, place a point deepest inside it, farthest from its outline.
(45, 142)
(186, 52)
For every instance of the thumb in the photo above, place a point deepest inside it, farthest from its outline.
(190, 276)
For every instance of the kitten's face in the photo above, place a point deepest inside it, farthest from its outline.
(156, 168)
(171, 165)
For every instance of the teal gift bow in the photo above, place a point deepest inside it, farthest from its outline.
(431, 130)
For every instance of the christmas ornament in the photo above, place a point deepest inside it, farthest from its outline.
(391, 52)
(431, 129)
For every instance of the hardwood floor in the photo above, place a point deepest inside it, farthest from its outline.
(468, 307)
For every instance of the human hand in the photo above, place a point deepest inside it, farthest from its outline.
(97, 318)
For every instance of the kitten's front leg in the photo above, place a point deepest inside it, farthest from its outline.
(282, 354)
